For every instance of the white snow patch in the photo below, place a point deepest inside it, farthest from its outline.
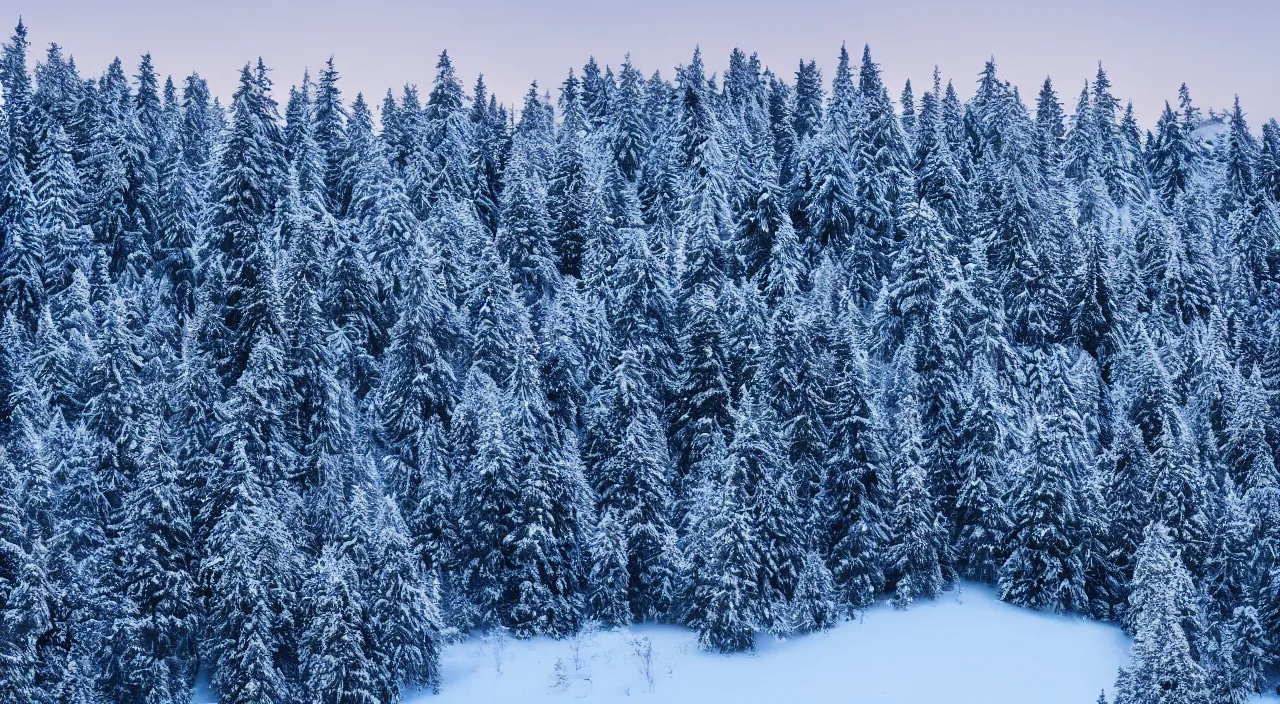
(202, 693)
(1210, 132)
(964, 647)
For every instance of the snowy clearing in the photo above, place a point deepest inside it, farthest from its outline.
(965, 647)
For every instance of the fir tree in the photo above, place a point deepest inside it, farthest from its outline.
(609, 576)
(1043, 570)
(916, 554)
(488, 500)
(405, 619)
(850, 502)
(158, 578)
(725, 564)
(1162, 668)
(632, 488)
(335, 660)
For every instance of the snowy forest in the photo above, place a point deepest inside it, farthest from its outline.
(297, 390)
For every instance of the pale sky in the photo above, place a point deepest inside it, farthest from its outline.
(1219, 48)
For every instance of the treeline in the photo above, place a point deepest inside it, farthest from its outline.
(295, 400)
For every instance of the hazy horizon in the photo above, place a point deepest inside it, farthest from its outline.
(1147, 47)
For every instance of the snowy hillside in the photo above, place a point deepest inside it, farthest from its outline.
(966, 646)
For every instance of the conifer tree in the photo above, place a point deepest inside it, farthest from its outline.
(351, 303)
(1172, 158)
(1043, 570)
(335, 660)
(725, 562)
(552, 513)
(158, 578)
(405, 619)
(916, 554)
(22, 291)
(609, 576)
(330, 119)
(938, 179)
(525, 236)
(632, 488)
(642, 309)
(1162, 668)
(249, 182)
(567, 191)
(440, 168)
(114, 410)
(418, 382)
(702, 391)
(1240, 159)
(808, 112)
(630, 140)
(249, 577)
(851, 498)
(980, 521)
(881, 160)
(828, 202)
(488, 500)
(57, 190)
(796, 390)
(756, 452)
(705, 216)
(915, 284)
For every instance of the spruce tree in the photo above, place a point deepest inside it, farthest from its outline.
(915, 284)
(158, 577)
(249, 183)
(525, 236)
(1043, 570)
(609, 576)
(1162, 668)
(980, 521)
(250, 580)
(632, 488)
(630, 139)
(766, 476)
(57, 189)
(853, 488)
(488, 501)
(335, 659)
(702, 391)
(22, 291)
(405, 617)
(568, 185)
(916, 554)
(418, 381)
(552, 513)
(723, 596)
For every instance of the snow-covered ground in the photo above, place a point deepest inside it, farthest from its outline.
(964, 647)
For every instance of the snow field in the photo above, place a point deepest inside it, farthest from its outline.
(964, 647)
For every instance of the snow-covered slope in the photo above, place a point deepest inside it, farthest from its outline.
(964, 647)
